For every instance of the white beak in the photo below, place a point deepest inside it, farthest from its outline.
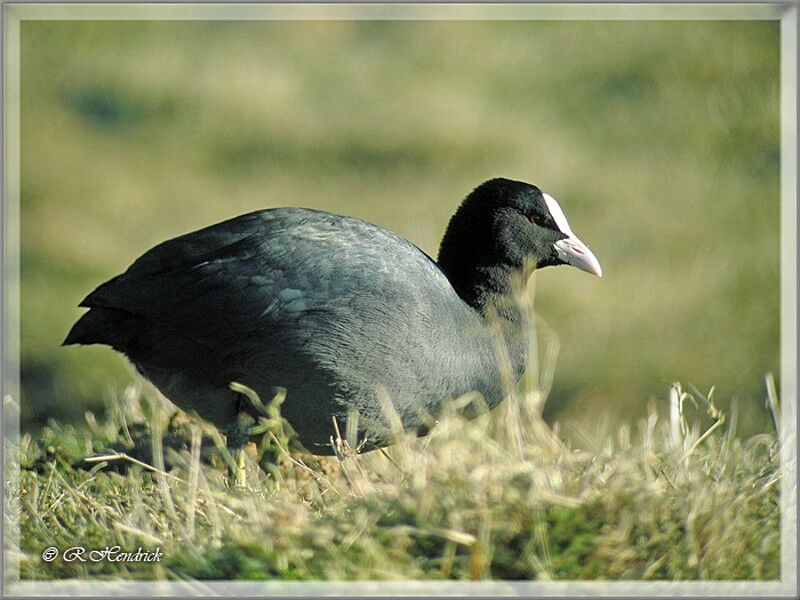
(574, 252)
(571, 250)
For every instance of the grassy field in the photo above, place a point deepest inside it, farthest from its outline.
(660, 140)
(498, 497)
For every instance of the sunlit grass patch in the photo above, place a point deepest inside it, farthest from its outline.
(664, 501)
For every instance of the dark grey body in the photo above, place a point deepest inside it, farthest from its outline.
(329, 307)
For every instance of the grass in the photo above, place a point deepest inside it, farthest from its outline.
(470, 502)
(659, 139)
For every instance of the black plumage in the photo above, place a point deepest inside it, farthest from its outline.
(331, 308)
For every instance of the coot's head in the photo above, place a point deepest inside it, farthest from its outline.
(499, 226)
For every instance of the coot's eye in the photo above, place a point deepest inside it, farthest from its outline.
(533, 219)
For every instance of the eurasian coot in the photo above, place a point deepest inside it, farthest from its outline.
(333, 309)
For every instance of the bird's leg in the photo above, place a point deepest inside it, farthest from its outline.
(238, 436)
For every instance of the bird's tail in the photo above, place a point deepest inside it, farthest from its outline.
(103, 326)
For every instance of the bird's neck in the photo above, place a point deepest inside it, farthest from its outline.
(487, 289)
(492, 291)
(468, 258)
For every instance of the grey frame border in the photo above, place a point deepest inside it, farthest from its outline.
(786, 13)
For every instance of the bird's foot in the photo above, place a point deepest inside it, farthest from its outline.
(240, 468)
(238, 435)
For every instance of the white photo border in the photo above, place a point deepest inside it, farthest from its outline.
(786, 13)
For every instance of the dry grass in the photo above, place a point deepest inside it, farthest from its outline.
(467, 502)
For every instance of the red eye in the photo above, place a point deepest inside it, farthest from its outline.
(532, 219)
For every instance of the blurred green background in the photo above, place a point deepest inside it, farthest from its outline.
(660, 140)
